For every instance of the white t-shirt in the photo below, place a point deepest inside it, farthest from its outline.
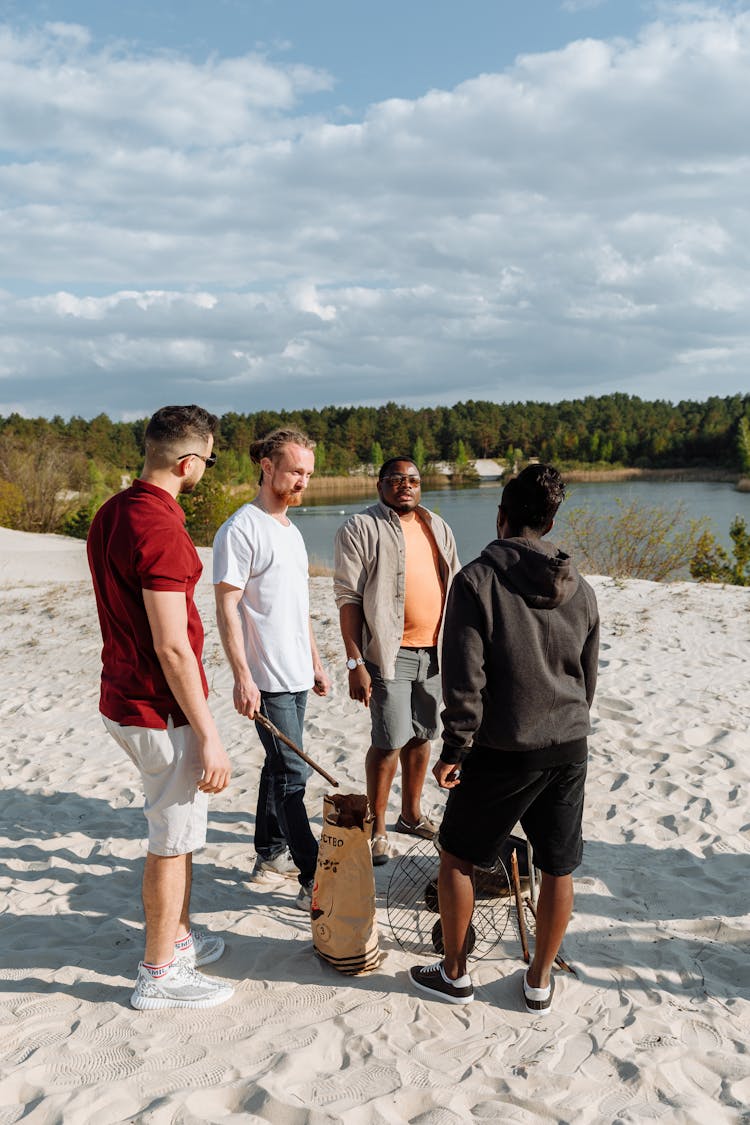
(268, 562)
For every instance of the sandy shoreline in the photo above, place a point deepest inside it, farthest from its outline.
(656, 1026)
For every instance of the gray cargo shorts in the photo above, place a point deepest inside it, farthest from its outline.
(408, 706)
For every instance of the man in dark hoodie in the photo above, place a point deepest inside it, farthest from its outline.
(519, 667)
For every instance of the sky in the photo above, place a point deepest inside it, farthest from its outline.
(275, 204)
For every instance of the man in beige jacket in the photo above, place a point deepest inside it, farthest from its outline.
(393, 565)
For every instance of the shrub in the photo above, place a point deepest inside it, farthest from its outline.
(206, 509)
(711, 563)
(634, 541)
(11, 504)
(77, 524)
(48, 475)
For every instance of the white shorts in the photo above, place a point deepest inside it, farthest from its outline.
(170, 768)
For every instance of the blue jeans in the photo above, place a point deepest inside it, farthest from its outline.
(281, 817)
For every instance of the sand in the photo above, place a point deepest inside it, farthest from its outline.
(656, 1025)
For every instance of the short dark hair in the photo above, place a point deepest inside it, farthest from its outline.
(532, 498)
(173, 423)
(387, 465)
(272, 444)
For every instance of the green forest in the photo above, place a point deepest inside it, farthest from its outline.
(54, 473)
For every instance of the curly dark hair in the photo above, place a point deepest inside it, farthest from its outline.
(531, 499)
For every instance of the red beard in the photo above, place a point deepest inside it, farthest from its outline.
(291, 498)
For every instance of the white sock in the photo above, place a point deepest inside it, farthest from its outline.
(158, 971)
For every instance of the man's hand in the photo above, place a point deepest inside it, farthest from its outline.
(216, 766)
(246, 696)
(360, 685)
(322, 683)
(447, 774)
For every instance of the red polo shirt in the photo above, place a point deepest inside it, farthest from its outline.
(137, 541)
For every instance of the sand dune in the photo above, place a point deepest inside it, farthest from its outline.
(656, 1026)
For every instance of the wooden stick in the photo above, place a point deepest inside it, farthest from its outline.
(264, 722)
(558, 960)
(519, 905)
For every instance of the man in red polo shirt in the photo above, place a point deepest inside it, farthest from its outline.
(153, 697)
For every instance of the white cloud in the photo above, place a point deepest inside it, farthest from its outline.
(573, 225)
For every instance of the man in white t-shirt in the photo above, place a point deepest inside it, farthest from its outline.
(263, 614)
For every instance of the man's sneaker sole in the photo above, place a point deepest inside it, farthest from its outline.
(430, 981)
(153, 1003)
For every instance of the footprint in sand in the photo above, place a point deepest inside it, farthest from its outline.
(22, 1046)
(701, 1036)
(701, 735)
(89, 1068)
(9, 1114)
(180, 1069)
(351, 1089)
(440, 1115)
(617, 710)
(577, 1049)
(655, 1042)
(623, 1105)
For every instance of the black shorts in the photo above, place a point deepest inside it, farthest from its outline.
(482, 811)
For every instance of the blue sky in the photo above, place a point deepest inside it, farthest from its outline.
(274, 203)
(395, 48)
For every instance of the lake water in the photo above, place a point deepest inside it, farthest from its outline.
(471, 512)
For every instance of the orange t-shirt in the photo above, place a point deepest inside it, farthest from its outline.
(423, 593)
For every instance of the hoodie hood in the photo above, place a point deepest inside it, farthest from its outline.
(544, 576)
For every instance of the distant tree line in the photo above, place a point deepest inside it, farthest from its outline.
(54, 472)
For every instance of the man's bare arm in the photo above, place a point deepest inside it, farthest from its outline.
(167, 617)
(246, 691)
(351, 622)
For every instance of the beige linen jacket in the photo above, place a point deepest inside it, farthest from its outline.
(369, 570)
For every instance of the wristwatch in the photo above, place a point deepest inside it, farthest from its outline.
(353, 663)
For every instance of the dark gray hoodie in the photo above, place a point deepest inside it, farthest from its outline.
(520, 652)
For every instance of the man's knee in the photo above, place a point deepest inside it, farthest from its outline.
(383, 753)
(421, 745)
(450, 863)
(557, 888)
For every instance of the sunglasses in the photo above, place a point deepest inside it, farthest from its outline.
(209, 461)
(402, 478)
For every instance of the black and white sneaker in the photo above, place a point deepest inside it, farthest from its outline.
(538, 1001)
(431, 979)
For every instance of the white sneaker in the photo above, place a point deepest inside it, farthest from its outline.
(206, 948)
(182, 986)
(303, 901)
(282, 866)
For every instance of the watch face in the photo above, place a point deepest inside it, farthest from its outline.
(351, 663)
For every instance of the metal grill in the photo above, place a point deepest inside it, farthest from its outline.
(412, 904)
